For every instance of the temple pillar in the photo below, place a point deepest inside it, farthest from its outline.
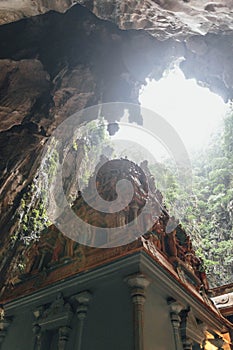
(83, 299)
(186, 341)
(37, 337)
(4, 325)
(138, 284)
(175, 309)
(63, 337)
(187, 344)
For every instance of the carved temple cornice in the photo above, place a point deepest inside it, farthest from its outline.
(140, 260)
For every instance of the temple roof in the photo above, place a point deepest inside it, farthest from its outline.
(223, 300)
(55, 256)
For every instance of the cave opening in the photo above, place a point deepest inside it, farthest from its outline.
(203, 121)
(191, 108)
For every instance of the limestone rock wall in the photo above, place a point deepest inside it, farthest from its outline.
(50, 67)
(13, 10)
(161, 18)
(166, 18)
(54, 64)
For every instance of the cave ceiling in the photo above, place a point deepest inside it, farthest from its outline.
(161, 18)
(57, 57)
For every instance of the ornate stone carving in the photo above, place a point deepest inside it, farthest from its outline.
(59, 312)
(56, 316)
(191, 329)
(54, 250)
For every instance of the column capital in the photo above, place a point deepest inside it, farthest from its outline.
(137, 280)
(175, 306)
(64, 333)
(83, 298)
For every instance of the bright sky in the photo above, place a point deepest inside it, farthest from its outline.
(193, 111)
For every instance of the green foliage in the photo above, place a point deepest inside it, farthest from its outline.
(32, 215)
(166, 181)
(75, 145)
(208, 213)
(91, 145)
(50, 165)
(213, 191)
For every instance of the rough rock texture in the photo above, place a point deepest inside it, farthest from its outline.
(51, 66)
(13, 10)
(208, 60)
(54, 64)
(161, 18)
(166, 18)
(22, 83)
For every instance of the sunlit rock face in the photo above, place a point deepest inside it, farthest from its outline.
(13, 10)
(163, 18)
(207, 60)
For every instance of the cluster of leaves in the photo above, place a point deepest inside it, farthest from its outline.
(213, 204)
(32, 210)
(34, 218)
(207, 215)
(208, 212)
(92, 144)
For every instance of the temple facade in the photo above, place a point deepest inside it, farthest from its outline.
(146, 293)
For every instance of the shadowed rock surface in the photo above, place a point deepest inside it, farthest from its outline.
(161, 18)
(53, 64)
